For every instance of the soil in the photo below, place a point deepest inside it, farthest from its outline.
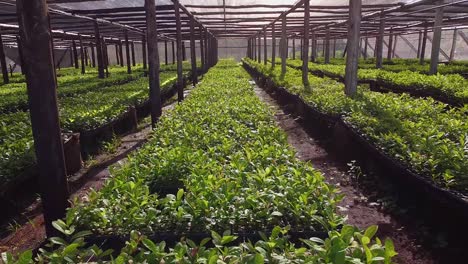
(361, 206)
(26, 230)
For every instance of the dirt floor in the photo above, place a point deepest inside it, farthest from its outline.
(361, 208)
(26, 231)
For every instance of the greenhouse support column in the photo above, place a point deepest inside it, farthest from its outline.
(184, 56)
(313, 52)
(418, 55)
(132, 45)
(437, 35)
(180, 80)
(305, 49)
(71, 56)
(153, 60)
(105, 55)
(454, 45)
(327, 46)
(259, 48)
(390, 45)
(3, 63)
(93, 56)
(193, 57)
(294, 48)
(283, 46)
(302, 44)
(42, 93)
(354, 24)
(423, 46)
(380, 44)
(165, 52)
(85, 56)
(75, 55)
(205, 39)
(82, 53)
(100, 61)
(202, 50)
(395, 40)
(254, 46)
(273, 45)
(366, 43)
(265, 50)
(173, 52)
(121, 59)
(127, 51)
(117, 54)
(143, 51)
(334, 48)
(20, 53)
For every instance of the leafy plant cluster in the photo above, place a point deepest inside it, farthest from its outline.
(421, 133)
(452, 86)
(348, 246)
(236, 173)
(226, 166)
(87, 111)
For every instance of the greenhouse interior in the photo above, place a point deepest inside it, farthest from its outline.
(234, 131)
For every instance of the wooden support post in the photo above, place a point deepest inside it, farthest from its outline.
(143, 52)
(100, 57)
(395, 40)
(86, 56)
(75, 55)
(173, 52)
(42, 92)
(390, 45)
(117, 54)
(205, 39)
(334, 48)
(132, 45)
(193, 56)
(327, 46)
(105, 55)
(93, 56)
(354, 24)
(259, 48)
(20, 53)
(72, 61)
(3, 63)
(165, 52)
(121, 59)
(418, 55)
(273, 45)
(313, 52)
(127, 51)
(153, 60)
(379, 44)
(305, 49)
(437, 36)
(366, 43)
(294, 48)
(180, 77)
(254, 45)
(184, 56)
(423, 47)
(284, 49)
(301, 46)
(454, 45)
(265, 49)
(82, 53)
(202, 49)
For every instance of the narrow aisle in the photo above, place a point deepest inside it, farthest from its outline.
(361, 210)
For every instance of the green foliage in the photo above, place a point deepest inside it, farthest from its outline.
(350, 246)
(420, 133)
(231, 163)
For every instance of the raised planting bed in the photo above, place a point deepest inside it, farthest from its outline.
(450, 89)
(362, 146)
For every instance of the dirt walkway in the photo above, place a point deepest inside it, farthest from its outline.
(361, 209)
